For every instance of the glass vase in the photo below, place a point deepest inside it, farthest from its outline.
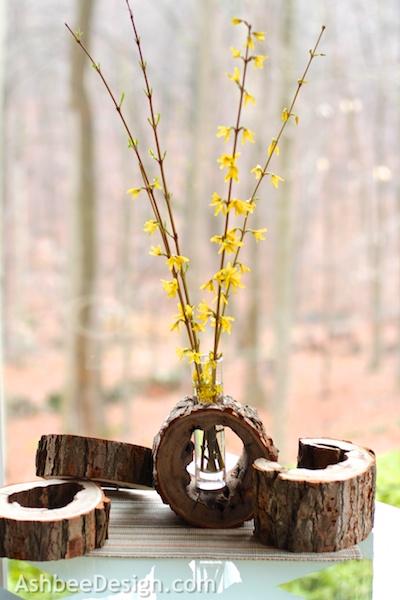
(209, 444)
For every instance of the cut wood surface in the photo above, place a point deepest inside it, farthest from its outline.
(54, 519)
(324, 505)
(109, 463)
(173, 452)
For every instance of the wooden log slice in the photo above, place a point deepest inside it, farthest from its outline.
(173, 451)
(324, 505)
(113, 464)
(54, 519)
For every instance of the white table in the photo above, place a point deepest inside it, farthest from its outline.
(109, 578)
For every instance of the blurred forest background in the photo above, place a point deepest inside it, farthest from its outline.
(86, 344)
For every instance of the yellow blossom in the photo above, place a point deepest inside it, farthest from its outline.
(205, 312)
(235, 52)
(197, 327)
(156, 250)
(155, 185)
(285, 114)
(250, 42)
(176, 261)
(229, 162)
(189, 311)
(249, 98)
(258, 170)
(247, 135)
(134, 192)
(224, 131)
(259, 35)
(275, 179)
(236, 75)
(230, 277)
(236, 21)
(181, 352)
(243, 269)
(258, 234)
(233, 173)
(220, 205)
(229, 243)
(273, 147)
(208, 286)
(171, 287)
(193, 356)
(242, 207)
(226, 323)
(259, 61)
(150, 226)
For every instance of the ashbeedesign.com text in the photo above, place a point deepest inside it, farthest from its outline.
(99, 583)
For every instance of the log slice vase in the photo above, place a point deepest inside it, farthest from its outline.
(173, 452)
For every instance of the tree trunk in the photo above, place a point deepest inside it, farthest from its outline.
(82, 409)
(283, 301)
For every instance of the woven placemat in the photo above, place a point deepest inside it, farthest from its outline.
(141, 526)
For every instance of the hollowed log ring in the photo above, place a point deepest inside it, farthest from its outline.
(173, 451)
(109, 463)
(324, 505)
(53, 519)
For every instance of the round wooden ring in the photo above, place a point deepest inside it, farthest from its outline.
(109, 463)
(324, 505)
(173, 451)
(53, 519)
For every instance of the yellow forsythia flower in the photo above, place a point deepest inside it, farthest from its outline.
(150, 226)
(273, 147)
(224, 131)
(259, 61)
(258, 170)
(258, 234)
(275, 179)
(259, 35)
(171, 287)
(249, 98)
(235, 52)
(236, 21)
(134, 192)
(220, 205)
(236, 75)
(241, 207)
(247, 135)
(226, 323)
(156, 250)
(176, 262)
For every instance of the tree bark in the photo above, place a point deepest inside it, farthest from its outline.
(324, 505)
(173, 451)
(106, 462)
(50, 520)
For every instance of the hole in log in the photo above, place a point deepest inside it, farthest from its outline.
(319, 456)
(51, 496)
(233, 450)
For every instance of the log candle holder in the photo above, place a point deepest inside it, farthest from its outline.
(54, 519)
(324, 505)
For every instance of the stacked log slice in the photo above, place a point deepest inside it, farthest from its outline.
(112, 464)
(173, 451)
(54, 519)
(324, 505)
